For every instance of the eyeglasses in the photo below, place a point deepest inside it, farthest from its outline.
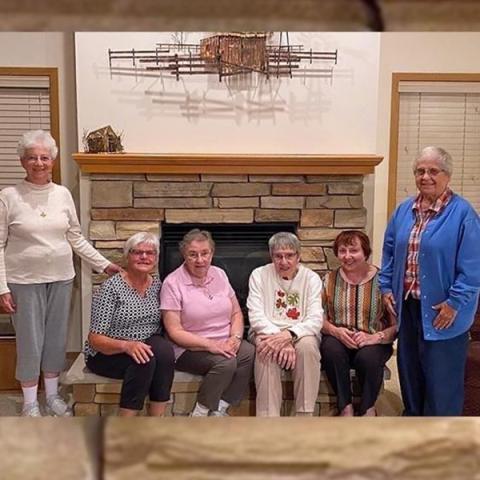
(201, 255)
(431, 172)
(34, 158)
(287, 256)
(139, 253)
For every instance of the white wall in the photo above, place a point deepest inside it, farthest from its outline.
(198, 114)
(38, 49)
(413, 52)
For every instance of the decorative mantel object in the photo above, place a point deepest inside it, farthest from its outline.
(103, 140)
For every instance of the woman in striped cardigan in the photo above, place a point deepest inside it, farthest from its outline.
(357, 330)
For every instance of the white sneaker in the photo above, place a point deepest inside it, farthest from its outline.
(199, 411)
(218, 413)
(56, 407)
(198, 414)
(31, 410)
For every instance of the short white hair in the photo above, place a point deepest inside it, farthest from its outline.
(284, 240)
(36, 138)
(141, 237)
(443, 158)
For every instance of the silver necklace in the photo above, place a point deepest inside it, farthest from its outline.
(204, 287)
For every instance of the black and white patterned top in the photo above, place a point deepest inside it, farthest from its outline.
(118, 311)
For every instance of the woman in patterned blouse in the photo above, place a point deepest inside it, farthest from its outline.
(124, 340)
(357, 331)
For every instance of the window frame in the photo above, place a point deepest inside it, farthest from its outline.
(398, 77)
(52, 74)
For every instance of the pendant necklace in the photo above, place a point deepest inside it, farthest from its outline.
(204, 287)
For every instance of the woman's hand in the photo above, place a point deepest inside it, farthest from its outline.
(389, 303)
(286, 357)
(7, 304)
(112, 269)
(139, 351)
(362, 339)
(234, 343)
(275, 342)
(221, 347)
(446, 316)
(346, 337)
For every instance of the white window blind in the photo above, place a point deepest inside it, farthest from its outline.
(24, 105)
(443, 114)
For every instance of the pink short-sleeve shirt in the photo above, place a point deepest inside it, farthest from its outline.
(205, 310)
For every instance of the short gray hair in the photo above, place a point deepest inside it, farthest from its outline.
(283, 240)
(35, 138)
(198, 235)
(141, 237)
(443, 158)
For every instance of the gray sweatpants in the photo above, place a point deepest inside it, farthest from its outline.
(41, 324)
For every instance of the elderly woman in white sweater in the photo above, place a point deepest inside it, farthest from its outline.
(286, 316)
(39, 229)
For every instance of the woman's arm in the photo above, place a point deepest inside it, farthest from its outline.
(81, 246)
(386, 336)
(191, 341)
(236, 324)
(467, 267)
(7, 299)
(342, 334)
(139, 351)
(183, 338)
(385, 275)
(259, 323)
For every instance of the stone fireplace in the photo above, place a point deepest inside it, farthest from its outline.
(122, 194)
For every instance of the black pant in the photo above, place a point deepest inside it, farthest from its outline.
(139, 379)
(368, 362)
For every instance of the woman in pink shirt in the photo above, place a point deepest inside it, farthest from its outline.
(203, 319)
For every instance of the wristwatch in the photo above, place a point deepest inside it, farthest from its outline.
(381, 336)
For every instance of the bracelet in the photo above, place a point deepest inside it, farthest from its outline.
(236, 335)
(382, 336)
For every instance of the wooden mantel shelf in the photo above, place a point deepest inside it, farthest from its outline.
(125, 163)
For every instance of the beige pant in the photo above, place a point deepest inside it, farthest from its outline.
(306, 380)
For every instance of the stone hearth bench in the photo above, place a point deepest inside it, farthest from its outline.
(97, 395)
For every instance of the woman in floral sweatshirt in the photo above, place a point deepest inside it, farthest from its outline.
(286, 316)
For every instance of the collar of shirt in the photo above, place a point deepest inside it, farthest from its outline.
(188, 279)
(439, 204)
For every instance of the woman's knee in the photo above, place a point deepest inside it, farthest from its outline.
(225, 365)
(366, 360)
(247, 352)
(308, 346)
(162, 350)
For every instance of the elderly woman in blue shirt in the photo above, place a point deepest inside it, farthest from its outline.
(430, 279)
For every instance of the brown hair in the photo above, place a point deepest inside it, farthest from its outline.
(347, 237)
